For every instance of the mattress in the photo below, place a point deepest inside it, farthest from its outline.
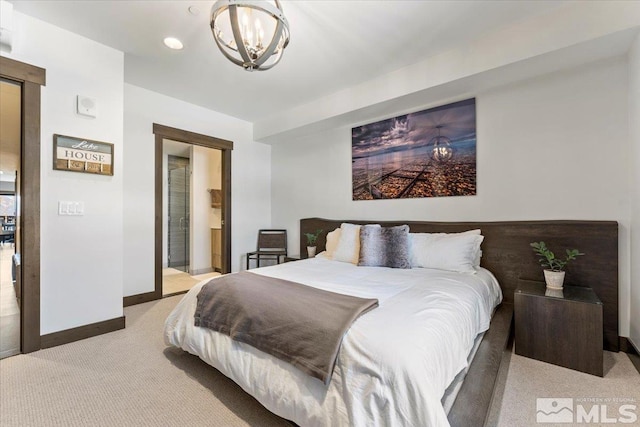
(395, 362)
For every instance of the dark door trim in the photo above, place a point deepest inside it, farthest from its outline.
(162, 132)
(31, 78)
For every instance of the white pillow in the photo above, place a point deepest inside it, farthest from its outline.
(332, 242)
(454, 252)
(348, 248)
(419, 237)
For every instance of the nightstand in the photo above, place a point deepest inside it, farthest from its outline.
(559, 327)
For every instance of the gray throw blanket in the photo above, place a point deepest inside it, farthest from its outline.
(299, 324)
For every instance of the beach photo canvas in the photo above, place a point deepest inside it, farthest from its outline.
(430, 153)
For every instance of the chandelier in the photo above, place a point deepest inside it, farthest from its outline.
(441, 150)
(252, 34)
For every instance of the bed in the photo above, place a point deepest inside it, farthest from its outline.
(404, 362)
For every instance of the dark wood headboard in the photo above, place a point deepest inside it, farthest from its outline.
(507, 254)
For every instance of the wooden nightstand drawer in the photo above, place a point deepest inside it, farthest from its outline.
(560, 328)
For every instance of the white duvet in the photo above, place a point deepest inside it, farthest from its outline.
(395, 362)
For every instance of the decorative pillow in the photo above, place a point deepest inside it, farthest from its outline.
(418, 240)
(457, 252)
(332, 242)
(384, 246)
(348, 248)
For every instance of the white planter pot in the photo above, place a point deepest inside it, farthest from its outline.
(311, 251)
(554, 279)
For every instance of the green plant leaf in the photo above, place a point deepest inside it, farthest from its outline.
(548, 258)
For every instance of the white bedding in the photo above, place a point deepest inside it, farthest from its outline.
(395, 362)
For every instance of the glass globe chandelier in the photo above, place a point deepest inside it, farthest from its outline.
(252, 34)
(441, 150)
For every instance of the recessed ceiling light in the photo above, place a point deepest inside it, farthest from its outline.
(194, 10)
(173, 43)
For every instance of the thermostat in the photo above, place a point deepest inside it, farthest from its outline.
(86, 106)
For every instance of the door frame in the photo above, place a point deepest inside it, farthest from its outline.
(161, 133)
(31, 79)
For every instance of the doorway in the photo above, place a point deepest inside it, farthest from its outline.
(20, 216)
(191, 217)
(10, 286)
(193, 209)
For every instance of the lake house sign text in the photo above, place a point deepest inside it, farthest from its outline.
(82, 155)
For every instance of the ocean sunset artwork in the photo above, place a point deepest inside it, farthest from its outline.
(430, 153)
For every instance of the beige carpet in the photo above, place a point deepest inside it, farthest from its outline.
(530, 379)
(129, 378)
(125, 378)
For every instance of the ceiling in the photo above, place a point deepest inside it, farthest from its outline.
(334, 44)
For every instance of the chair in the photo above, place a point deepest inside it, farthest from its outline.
(272, 245)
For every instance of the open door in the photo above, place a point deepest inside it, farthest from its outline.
(193, 207)
(21, 231)
(10, 154)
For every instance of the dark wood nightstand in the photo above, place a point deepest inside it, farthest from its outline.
(559, 327)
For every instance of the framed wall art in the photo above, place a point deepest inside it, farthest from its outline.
(82, 155)
(430, 153)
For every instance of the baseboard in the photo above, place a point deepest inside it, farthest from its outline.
(627, 346)
(81, 332)
(632, 351)
(140, 298)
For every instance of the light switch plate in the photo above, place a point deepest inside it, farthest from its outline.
(71, 208)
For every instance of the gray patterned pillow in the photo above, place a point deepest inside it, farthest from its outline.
(384, 246)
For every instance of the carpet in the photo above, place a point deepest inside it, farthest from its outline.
(130, 378)
(124, 378)
(529, 379)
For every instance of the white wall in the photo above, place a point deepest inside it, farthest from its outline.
(510, 53)
(634, 139)
(215, 182)
(251, 177)
(165, 210)
(200, 200)
(554, 147)
(81, 256)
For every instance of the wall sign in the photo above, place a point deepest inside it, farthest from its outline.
(82, 155)
(430, 153)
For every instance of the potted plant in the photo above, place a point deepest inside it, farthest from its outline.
(554, 271)
(312, 238)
